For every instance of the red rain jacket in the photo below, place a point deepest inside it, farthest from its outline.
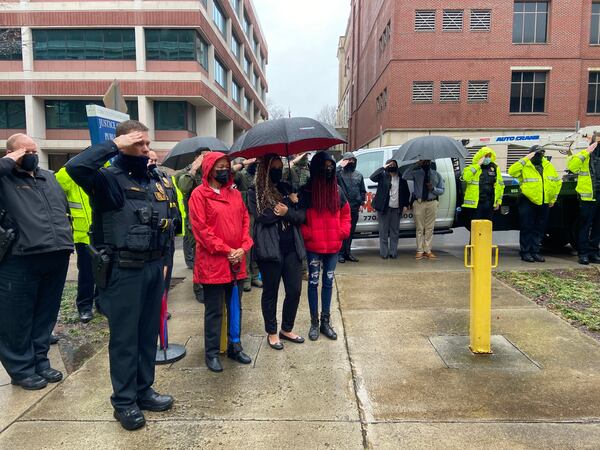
(323, 232)
(220, 223)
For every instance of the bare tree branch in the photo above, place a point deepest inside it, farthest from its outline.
(10, 43)
(275, 111)
(327, 115)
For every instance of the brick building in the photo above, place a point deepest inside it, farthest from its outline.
(186, 68)
(468, 68)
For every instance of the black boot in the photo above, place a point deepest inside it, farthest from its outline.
(313, 333)
(326, 327)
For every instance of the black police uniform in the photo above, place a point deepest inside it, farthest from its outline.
(132, 223)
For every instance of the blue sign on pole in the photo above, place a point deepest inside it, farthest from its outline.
(103, 123)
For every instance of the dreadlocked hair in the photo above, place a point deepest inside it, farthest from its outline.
(267, 194)
(325, 195)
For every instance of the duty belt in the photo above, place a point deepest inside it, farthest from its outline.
(140, 256)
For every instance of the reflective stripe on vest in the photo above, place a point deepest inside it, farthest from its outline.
(75, 205)
(473, 170)
(584, 174)
(469, 202)
(581, 157)
(523, 162)
(586, 194)
(553, 178)
(531, 180)
(475, 183)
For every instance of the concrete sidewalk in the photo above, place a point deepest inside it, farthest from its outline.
(385, 383)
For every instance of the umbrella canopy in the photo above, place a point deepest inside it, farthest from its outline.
(430, 147)
(285, 137)
(186, 150)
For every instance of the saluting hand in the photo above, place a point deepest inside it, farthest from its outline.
(592, 147)
(126, 141)
(197, 164)
(16, 155)
(530, 155)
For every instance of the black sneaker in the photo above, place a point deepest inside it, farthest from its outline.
(594, 259)
(130, 418)
(51, 375)
(31, 383)
(155, 402)
(86, 316)
(583, 259)
(527, 258)
(539, 258)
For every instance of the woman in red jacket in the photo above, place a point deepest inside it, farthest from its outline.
(220, 224)
(327, 226)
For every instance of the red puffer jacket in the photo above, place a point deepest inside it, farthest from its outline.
(323, 231)
(220, 223)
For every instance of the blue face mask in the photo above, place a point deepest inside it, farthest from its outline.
(487, 160)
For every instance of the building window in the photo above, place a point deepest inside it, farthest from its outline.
(595, 25)
(247, 105)
(255, 45)
(593, 106)
(246, 25)
(235, 46)
(88, 44)
(452, 20)
(132, 109)
(248, 67)
(450, 91)
(12, 114)
(528, 92)
(381, 101)
(481, 20)
(384, 39)
(68, 114)
(236, 92)
(219, 18)
(176, 45)
(530, 22)
(174, 116)
(478, 91)
(10, 44)
(235, 4)
(424, 20)
(255, 80)
(220, 74)
(422, 92)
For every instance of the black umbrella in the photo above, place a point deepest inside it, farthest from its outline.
(430, 147)
(186, 150)
(285, 137)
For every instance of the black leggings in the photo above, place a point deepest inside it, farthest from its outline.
(290, 269)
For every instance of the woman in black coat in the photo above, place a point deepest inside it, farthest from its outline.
(278, 247)
(391, 200)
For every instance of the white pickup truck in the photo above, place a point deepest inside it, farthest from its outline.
(372, 159)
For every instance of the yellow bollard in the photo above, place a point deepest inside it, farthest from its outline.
(224, 329)
(481, 266)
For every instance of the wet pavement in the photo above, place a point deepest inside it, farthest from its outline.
(395, 378)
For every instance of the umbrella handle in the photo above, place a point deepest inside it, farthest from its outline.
(235, 269)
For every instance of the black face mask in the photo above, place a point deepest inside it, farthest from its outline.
(350, 166)
(392, 169)
(136, 165)
(536, 160)
(29, 162)
(222, 176)
(276, 175)
(152, 168)
(426, 166)
(329, 173)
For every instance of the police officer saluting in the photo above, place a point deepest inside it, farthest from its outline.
(131, 232)
(36, 241)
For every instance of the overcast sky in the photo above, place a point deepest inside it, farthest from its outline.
(302, 36)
